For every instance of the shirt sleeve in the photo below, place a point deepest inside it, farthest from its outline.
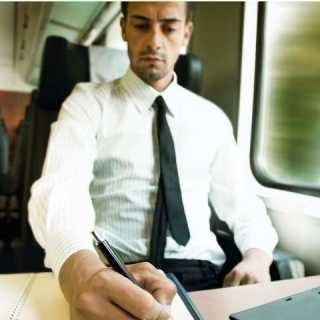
(61, 213)
(233, 197)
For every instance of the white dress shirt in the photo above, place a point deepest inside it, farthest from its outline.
(102, 169)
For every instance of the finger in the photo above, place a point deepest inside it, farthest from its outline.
(142, 268)
(248, 279)
(110, 313)
(232, 279)
(164, 294)
(135, 300)
(99, 309)
(115, 312)
(227, 280)
(162, 289)
(164, 314)
(266, 278)
(155, 282)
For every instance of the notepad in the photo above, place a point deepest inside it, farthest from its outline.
(37, 296)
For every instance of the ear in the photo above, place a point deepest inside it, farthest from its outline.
(123, 28)
(188, 29)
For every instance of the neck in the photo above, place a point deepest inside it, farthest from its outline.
(159, 85)
(162, 84)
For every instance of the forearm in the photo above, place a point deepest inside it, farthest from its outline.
(61, 220)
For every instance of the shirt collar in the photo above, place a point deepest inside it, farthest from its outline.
(143, 95)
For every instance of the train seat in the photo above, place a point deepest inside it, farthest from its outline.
(11, 181)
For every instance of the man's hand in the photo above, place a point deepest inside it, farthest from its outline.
(253, 268)
(96, 292)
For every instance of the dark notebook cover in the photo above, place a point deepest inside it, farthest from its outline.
(185, 298)
(301, 306)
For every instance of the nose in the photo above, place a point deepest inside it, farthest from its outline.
(155, 38)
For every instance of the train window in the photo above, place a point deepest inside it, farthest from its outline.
(285, 152)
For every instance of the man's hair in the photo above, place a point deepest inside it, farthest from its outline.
(189, 7)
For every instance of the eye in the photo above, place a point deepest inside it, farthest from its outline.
(169, 29)
(141, 26)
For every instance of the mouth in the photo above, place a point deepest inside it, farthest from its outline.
(152, 59)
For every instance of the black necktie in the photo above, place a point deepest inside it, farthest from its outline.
(169, 206)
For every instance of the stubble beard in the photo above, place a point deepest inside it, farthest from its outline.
(147, 72)
(151, 73)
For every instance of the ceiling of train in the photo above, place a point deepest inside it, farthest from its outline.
(35, 21)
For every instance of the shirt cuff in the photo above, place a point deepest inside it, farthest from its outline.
(256, 243)
(61, 247)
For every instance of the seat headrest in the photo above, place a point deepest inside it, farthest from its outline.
(107, 64)
(189, 72)
(63, 65)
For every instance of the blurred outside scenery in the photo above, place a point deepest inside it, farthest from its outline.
(288, 146)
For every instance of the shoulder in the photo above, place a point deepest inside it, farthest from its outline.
(88, 91)
(81, 108)
(203, 109)
(88, 98)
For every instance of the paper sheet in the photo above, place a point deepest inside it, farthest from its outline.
(37, 296)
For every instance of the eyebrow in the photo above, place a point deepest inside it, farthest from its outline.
(168, 20)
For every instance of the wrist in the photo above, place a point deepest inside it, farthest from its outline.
(259, 256)
(77, 270)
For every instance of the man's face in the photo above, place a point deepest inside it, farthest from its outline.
(155, 33)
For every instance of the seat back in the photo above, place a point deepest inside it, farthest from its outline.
(11, 169)
(4, 148)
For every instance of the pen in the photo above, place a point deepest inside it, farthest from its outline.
(114, 260)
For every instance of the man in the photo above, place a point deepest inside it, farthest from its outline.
(105, 141)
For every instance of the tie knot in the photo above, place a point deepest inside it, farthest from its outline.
(159, 103)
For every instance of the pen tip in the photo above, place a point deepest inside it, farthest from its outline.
(97, 236)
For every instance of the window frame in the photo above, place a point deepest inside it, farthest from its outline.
(258, 172)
